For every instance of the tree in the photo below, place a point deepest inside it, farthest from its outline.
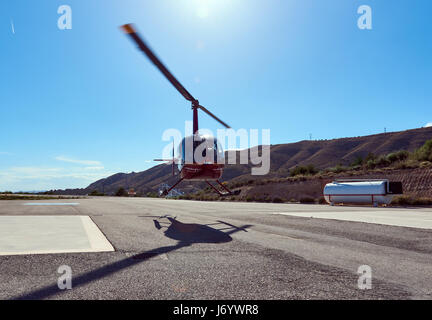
(358, 161)
(96, 193)
(424, 153)
(121, 192)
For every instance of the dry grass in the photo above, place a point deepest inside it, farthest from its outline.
(411, 201)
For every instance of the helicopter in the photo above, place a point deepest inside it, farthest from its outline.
(200, 156)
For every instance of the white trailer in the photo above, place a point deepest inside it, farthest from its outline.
(361, 191)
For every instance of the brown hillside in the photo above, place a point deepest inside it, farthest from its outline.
(416, 182)
(329, 153)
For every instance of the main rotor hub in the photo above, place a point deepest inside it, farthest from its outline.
(195, 104)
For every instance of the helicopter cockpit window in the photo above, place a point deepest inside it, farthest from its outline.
(210, 149)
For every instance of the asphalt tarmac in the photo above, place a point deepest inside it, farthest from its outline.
(175, 249)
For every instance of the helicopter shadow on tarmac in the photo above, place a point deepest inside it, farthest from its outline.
(185, 234)
(197, 233)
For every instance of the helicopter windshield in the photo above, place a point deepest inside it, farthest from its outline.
(201, 150)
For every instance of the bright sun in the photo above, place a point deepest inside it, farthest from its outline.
(204, 9)
(202, 12)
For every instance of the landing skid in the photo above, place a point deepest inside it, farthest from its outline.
(227, 192)
(167, 191)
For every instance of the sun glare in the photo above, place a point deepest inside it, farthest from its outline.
(207, 9)
(202, 12)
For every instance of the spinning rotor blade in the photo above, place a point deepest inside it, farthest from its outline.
(130, 30)
(214, 117)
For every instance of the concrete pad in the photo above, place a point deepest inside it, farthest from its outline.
(405, 218)
(50, 234)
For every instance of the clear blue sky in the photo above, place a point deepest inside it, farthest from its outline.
(78, 105)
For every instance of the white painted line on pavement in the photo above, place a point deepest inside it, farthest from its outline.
(96, 238)
(20, 235)
(51, 204)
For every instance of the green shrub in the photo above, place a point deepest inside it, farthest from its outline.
(308, 170)
(264, 198)
(382, 161)
(322, 200)
(371, 164)
(96, 193)
(413, 201)
(121, 192)
(278, 200)
(152, 195)
(424, 164)
(307, 200)
(422, 201)
(358, 161)
(398, 156)
(407, 164)
(338, 169)
(401, 200)
(370, 156)
(424, 153)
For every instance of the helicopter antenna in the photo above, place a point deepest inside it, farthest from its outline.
(173, 160)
